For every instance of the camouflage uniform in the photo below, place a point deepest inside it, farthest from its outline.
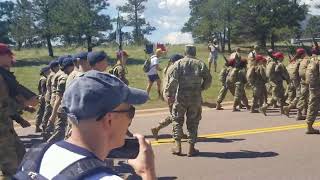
(48, 106)
(54, 85)
(313, 79)
(304, 88)
(240, 94)
(293, 90)
(120, 71)
(9, 158)
(188, 79)
(42, 91)
(225, 85)
(61, 122)
(257, 77)
(276, 73)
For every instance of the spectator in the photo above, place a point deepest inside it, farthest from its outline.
(153, 72)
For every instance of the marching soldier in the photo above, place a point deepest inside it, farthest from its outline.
(225, 84)
(187, 80)
(313, 79)
(256, 76)
(66, 66)
(294, 86)
(120, 69)
(166, 122)
(54, 68)
(42, 91)
(276, 74)
(302, 104)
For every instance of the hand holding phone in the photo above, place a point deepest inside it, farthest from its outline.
(144, 163)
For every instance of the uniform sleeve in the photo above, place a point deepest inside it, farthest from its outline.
(61, 85)
(173, 79)
(43, 86)
(207, 78)
(222, 75)
(250, 74)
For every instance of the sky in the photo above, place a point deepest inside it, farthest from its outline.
(169, 16)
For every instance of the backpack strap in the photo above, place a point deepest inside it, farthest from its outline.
(29, 167)
(84, 168)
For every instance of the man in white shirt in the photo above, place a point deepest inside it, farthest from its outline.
(153, 72)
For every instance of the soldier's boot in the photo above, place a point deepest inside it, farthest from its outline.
(234, 109)
(281, 110)
(263, 110)
(310, 129)
(286, 110)
(192, 151)
(253, 110)
(248, 107)
(300, 116)
(155, 132)
(219, 107)
(177, 149)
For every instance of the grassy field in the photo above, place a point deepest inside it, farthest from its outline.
(30, 61)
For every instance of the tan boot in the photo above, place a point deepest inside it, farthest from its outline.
(177, 149)
(155, 132)
(299, 116)
(192, 151)
(219, 107)
(310, 129)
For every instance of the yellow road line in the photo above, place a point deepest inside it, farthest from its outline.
(239, 133)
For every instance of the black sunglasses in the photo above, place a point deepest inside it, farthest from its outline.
(131, 112)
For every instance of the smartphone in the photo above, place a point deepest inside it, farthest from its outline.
(129, 150)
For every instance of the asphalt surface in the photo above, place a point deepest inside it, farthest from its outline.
(232, 146)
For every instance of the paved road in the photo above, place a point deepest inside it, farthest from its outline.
(233, 146)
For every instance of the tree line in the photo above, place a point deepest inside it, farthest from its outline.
(36, 23)
(249, 20)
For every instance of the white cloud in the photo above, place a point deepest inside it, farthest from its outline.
(178, 38)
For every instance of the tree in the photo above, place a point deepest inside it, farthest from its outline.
(87, 20)
(22, 25)
(135, 9)
(313, 26)
(44, 12)
(6, 10)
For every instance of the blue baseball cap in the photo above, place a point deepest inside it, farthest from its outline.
(95, 93)
(175, 57)
(68, 61)
(54, 63)
(95, 57)
(61, 58)
(81, 56)
(44, 69)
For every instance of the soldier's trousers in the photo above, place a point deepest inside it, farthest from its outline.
(40, 112)
(240, 95)
(193, 116)
(277, 94)
(314, 104)
(291, 92)
(60, 126)
(294, 102)
(223, 92)
(167, 121)
(46, 115)
(258, 96)
(304, 96)
(12, 151)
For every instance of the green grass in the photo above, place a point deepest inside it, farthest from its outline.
(30, 61)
